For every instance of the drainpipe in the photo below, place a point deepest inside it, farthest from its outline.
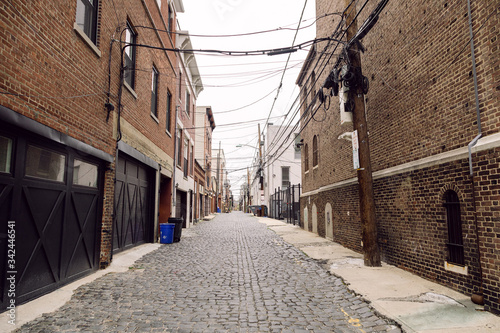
(478, 297)
(173, 211)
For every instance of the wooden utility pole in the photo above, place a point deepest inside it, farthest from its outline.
(218, 181)
(365, 181)
(249, 201)
(261, 177)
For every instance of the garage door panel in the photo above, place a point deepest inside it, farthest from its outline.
(40, 223)
(6, 193)
(80, 234)
(132, 197)
(57, 221)
(117, 227)
(37, 275)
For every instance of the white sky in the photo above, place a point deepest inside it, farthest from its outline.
(232, 82)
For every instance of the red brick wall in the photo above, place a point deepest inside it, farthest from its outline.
(421, 103)
(137, 111)
(48, 73)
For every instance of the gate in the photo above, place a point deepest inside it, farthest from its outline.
(285, 204)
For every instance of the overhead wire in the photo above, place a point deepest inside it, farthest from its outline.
(335, 33)
(286, 65)
(276, 155)
(279, 137)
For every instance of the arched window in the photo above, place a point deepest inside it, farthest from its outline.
(313, 86)
(315, 151)
(304, 98)
(306, 157)
(455, 240)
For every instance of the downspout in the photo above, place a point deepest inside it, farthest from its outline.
(174, 188)
(478, 297)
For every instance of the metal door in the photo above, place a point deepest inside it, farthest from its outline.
(56, 221)
(132, 223)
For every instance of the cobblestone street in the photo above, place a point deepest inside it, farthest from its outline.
(230, 274)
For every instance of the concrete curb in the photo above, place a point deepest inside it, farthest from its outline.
(418, 305)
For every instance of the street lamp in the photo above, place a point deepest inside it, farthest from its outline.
(242, 145)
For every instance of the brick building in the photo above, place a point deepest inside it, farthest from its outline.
(189, 87)
(204, 128)
(433, 218)
(219, 179)
(86, 163)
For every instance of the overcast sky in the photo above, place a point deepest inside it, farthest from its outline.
(233, 82)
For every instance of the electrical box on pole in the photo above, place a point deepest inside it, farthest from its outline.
(353, 78)
(345, 107)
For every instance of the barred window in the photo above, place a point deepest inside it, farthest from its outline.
(455, 239)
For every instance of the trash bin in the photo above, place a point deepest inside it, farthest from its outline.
(178, 227)
(167, 233)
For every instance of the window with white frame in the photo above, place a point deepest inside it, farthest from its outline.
(130, 39)
(86, 17)
(179, 146)
(188, 102)
(186, 158)
(169, 111)
(285, 177)
(154, 92)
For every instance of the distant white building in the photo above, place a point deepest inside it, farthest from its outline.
(281, 164)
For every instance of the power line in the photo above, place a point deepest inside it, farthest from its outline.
(276, 155)
(288, 59)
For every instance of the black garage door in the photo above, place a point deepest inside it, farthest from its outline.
(133, 221)
(50, 200)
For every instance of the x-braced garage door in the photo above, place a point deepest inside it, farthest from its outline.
(132, 223)
(50, 204)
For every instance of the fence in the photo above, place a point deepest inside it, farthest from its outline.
(285, 204)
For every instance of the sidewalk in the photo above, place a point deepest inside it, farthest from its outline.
(418, 305)
(54, 300)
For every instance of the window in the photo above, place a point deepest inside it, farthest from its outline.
(130, 38)
(154, 92)
(191, 161)
(455, 240)
(85, 174)
(170, 20)
(188, 102)
(306, 157)
(304, 98)
(86, 17)
(315, 151)
(5, 154)
(179, 145)
(285, 177)
(186, 161)
(45, 164)
(169, 110)
(180, 86)
(313, 86)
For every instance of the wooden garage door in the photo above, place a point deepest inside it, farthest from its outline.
(50, 200)
(132, 223)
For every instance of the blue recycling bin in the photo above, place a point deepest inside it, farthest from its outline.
(167, 233)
